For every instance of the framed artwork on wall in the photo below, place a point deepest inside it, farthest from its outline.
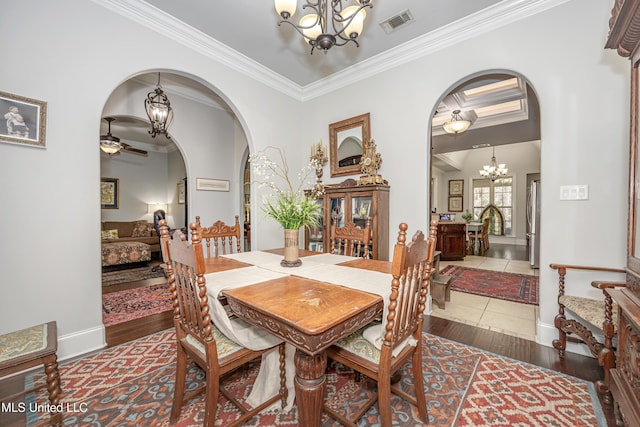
(455, 204)
(456, 187)
(109, 193)
(181, 193)
(24, 121)
(210, 184)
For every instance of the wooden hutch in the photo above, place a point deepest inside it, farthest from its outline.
(624, 36)
(347, 202)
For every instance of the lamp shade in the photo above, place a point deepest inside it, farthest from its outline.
(354, 28)
(152, 207)
(286, 8)
(310, 26)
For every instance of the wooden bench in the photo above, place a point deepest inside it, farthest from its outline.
(30, 347)
(440, 284)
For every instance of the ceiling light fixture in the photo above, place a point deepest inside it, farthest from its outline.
(109, 143)
(457, 124)
(494, 170)
(159, 111)
(318, 30)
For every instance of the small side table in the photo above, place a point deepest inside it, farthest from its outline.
(440, 283)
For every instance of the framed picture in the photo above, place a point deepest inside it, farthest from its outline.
(456, 187)
(109, 193)
(181, 193)
(24, 121)
(455, 204)
(210, 184)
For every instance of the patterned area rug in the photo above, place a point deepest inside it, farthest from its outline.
(122, 306)
(132, 385)
(521, 288)
(116, 277)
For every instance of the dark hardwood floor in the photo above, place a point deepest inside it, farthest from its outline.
(512, 252)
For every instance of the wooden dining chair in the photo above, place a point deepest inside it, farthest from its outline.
(197, 337)
(351, 240)
(223, 236)
(483, 237)
(411, 270)
(28, 348)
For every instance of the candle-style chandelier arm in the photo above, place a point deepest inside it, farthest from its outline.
(314, 26)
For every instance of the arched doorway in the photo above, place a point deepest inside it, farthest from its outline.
(503, 111)
(204, 136)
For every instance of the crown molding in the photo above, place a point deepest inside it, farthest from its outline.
(483, 21)
(165, 24)
(498, 15)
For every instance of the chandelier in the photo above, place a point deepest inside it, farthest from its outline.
(319, 29)
(457, 124)
(159, 111)
(494, 170)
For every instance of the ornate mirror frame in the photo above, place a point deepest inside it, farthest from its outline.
(349, 131)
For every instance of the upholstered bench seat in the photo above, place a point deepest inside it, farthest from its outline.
(589, 309)
(119, 253)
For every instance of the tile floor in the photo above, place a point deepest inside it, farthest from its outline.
(489, 313)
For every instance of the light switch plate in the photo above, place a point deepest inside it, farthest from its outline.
(574, 192)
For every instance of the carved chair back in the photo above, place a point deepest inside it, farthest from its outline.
(223, 237)
(351, 240)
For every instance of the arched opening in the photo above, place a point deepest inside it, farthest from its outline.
(205, 134)
(504, 113)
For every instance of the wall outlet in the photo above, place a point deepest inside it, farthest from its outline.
(574, 192)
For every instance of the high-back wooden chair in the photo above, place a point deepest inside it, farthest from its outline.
(411, 274)
(26, 349)
(198, 339)
(222, 236)
(483, 237)
(351, 240)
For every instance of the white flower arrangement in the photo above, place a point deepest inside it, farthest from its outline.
(287, 203)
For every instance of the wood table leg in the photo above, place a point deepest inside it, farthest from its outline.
(310, 383)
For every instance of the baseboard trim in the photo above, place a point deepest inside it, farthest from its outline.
(547, 333)
(81, 342)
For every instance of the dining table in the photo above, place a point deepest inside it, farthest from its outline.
(309, 307)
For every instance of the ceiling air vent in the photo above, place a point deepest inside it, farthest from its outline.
(397, 21)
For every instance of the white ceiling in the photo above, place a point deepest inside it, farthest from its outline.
(247, 32)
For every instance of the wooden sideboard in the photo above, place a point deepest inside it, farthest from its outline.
(451, 240)
(624, 36)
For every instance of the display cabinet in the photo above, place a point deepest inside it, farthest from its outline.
(348, 201)
(625, 377)
(314, 236)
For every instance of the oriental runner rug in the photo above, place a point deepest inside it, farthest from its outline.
(122, 306)
(132, 385)
(522, 288)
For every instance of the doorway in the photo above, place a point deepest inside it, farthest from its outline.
(490, 161)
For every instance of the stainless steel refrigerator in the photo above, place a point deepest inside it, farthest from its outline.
(533, 223)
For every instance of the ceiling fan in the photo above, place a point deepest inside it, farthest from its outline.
(111, 144)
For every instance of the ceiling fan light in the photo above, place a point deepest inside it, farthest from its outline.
(354, 18)
(310, 26)
(286, 8)
(110, 146)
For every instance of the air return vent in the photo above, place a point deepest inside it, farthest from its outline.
(397, 21)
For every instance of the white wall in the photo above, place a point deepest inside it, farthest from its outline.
(582, 89)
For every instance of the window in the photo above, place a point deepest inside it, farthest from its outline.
(499, 194)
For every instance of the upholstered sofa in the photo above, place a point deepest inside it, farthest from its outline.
(126, 242)
(131, 231)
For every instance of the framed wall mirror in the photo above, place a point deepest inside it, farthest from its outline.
(346, 144)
